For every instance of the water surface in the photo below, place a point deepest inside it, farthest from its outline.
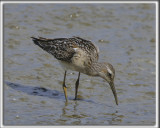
(125, 35)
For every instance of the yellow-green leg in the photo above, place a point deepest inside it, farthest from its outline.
(76, 86)
(64, 86)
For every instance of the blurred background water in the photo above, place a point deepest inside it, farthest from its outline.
(125, 35)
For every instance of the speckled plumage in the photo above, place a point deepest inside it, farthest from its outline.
(63, 48)
(73, 53)
(79, 55)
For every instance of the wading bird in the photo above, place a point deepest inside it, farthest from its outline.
(79, 55)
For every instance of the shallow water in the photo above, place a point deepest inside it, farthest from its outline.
(125, 35)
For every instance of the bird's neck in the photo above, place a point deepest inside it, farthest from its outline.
(94, 69)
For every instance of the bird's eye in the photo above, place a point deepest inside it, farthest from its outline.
(109, 74)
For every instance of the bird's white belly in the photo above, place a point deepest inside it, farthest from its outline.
(78, 62)
(72, 66)
(67, 66)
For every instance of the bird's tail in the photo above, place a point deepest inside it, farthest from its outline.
(38, 40)
(41, 42)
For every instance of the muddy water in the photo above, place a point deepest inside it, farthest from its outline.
(125, 35)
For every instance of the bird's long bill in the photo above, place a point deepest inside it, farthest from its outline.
(114, 92)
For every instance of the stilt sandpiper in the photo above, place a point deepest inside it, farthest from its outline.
(79, 55)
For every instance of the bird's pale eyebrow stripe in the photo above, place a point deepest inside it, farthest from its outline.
(109, 70)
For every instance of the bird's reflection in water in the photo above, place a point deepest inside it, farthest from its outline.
(68, 107)
(73, 112)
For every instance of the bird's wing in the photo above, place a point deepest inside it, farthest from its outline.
(65, 48)
(87, 46)
(58, 47)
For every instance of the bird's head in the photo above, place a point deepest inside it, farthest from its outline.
(107, 72)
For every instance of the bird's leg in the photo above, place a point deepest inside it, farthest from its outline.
(64, 86)
(76, 86)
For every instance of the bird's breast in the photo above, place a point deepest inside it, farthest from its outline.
(77, 63)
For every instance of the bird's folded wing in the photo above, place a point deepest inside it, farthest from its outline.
(55, 47)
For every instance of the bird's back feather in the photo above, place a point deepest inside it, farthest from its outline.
(65, 48)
